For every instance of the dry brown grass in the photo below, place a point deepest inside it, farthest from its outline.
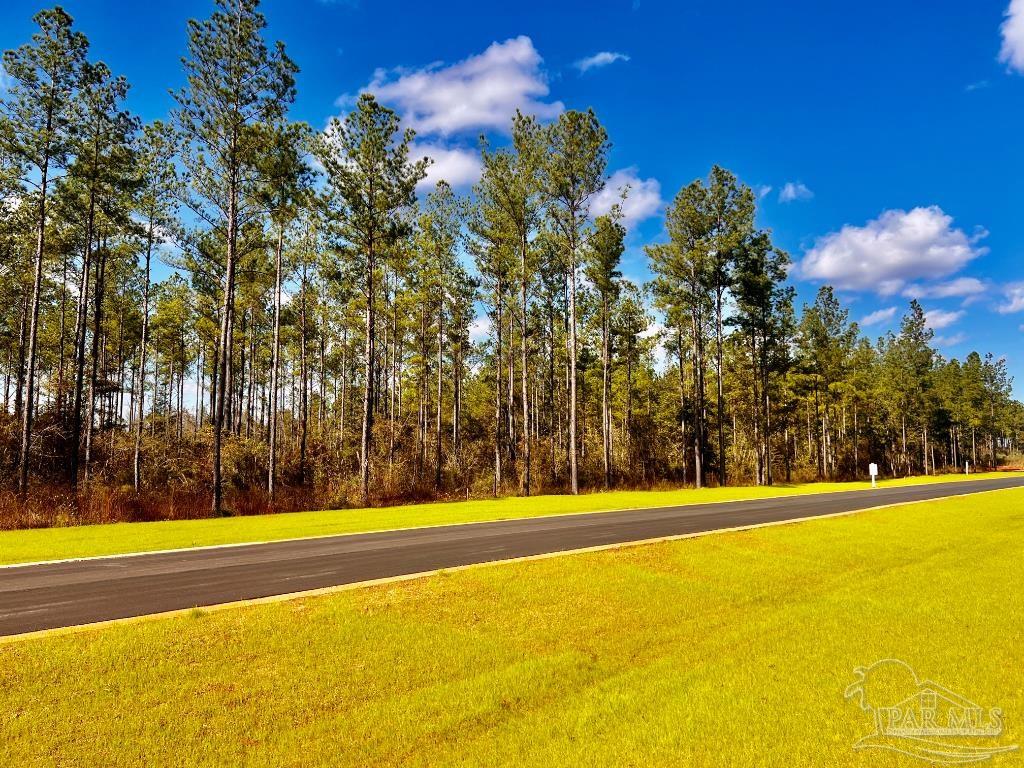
(50, 506)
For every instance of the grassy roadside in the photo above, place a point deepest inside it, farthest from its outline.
(733, 649)
(91, 540)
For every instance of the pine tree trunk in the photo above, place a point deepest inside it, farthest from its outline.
(524, 353)
(698, 394)
(755, 380)
(769, 478)
(62, 333)
(143, 344)
(722, 474)
(574, 485)
(628, 422)
(366, 439)
(551, 391)
(19, 390)
(101, 269)
(200, 382)
(222, 359)
(33, 325)
(606, 419)
(344, 386)
(275, 367)
(682, 398)
(497, 390)
(438, 404)
(392, 415)
(303, 379)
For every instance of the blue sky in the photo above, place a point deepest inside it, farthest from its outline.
(883, 136)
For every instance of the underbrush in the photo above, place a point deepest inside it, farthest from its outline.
(48, 506)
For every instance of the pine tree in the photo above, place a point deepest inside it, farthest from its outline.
(157, 205)
(284, 188)
(103, 170)
(764, 322)
(371, 183)
(36, 130)
(574, 173)
(235, 84)
(603, 254)
(731, 213)
(440, 229)
(513, 187)
(681, 267)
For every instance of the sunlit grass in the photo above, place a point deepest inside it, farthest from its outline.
(727, 650)
(90, 540)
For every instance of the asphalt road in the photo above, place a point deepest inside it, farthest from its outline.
(35, 597)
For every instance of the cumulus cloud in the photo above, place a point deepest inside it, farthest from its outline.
(1014, 293)
(480, 92)
(1012, 51)
(793, 191)
(602, 59)
(950, 341)
(891, 251)
(642, 202)
(960, 287)
(937, 319)
(459, 167)
(879, 316)
(762, 191)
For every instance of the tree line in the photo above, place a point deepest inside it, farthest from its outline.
(326, 328)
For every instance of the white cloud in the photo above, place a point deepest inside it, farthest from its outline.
(763, 190)
(480, 92)
(887, 253)
(961, 286)
(642, 202)
(655, 328)
(950, 341)
(602, 59)
(879, 316)
(656, 331)
(480, 328)
(1012, 51)
(794, 190)
(937, 319)
(1014, 293)
(459, 167)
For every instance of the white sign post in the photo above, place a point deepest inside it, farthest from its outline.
(873, 471)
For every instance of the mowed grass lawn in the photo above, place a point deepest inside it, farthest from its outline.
(727, 650)
(91, 540)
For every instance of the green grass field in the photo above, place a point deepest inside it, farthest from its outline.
(727, 650)
(91, 540)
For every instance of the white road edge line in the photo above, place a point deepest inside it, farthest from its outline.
(204, 547)
(76, 628)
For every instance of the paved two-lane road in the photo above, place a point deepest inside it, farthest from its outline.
(35, 597)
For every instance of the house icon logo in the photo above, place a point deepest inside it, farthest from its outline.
(922, 718)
